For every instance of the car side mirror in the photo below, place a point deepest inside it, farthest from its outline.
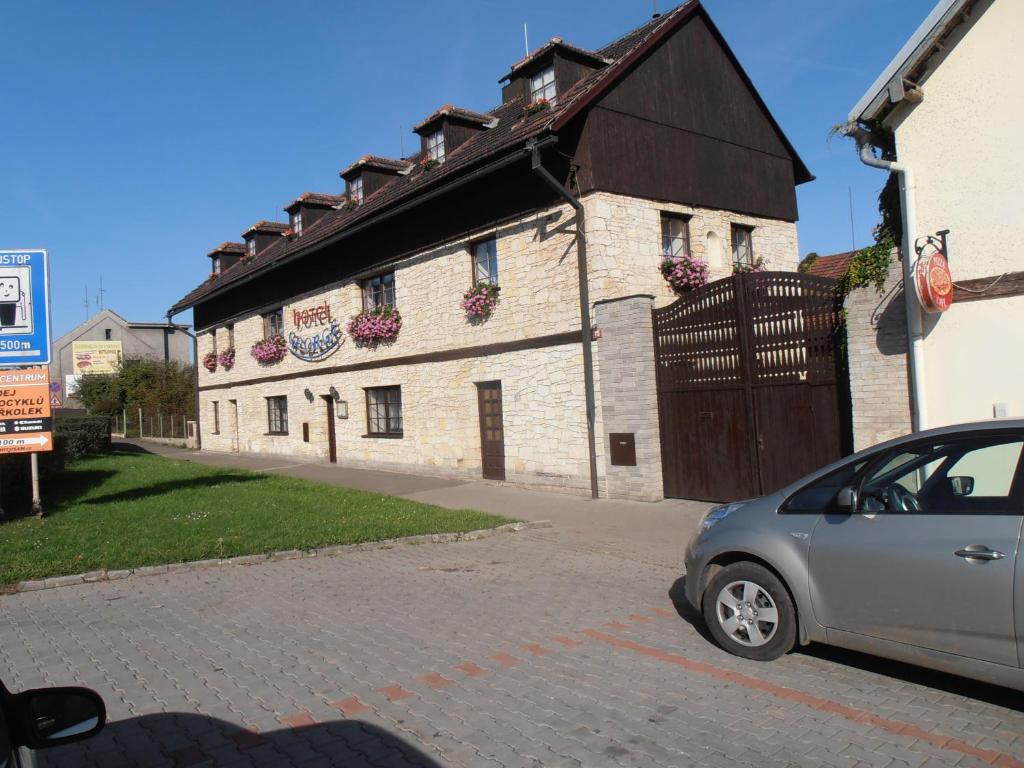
(962, 485)
(52, 716)
(846, 499)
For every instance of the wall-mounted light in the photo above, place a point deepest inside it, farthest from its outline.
(334, 394)
(308, 394)
(341, 409)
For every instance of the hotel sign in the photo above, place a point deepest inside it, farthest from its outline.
(323, 335)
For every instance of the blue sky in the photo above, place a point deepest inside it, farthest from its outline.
(137, 136)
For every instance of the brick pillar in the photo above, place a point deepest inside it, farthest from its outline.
(876, 340)
(627, 395)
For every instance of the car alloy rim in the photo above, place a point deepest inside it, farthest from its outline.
(747, 613)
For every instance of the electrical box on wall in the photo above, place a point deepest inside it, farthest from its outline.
(622, 449)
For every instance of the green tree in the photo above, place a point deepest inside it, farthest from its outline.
(155, 386)
(101, 393)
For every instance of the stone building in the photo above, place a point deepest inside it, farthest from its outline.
(566, 196)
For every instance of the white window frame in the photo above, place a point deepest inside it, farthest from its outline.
(355, 190)
(297, 223)
(435, 145)
(744, 243)
(216, 265)
(542, 85)
(250, 246)
(485, 261)
(379, 291)
(675, 243)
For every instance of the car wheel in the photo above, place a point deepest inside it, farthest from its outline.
(749, 612)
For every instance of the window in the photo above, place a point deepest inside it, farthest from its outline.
(277, 415)
(355, 188)
(216, 265)
(485, 262)
(384, 411)
(107, 334)
(297, 223)
(742, 248)
(675, 235)
(379, 291)
(435, 146)
(250, 247)
(216, 417)
(231, 336)
(958, 477)
(273, 323)
(542, 86)
(819, 496)
(213, 341)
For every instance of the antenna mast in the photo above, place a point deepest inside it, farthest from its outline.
(100, 307)
(86, 302)
(526, 39)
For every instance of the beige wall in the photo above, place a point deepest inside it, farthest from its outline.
(624, 244)
(543, 397)
(962, 142)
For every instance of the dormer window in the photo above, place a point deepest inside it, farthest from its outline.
(435, 146)
(542, 86)
(297, 223)
(250, 247)
(216, 265)
(355, 190)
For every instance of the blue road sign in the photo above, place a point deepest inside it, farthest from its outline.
(24, 308)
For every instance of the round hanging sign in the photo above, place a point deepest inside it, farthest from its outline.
(934, 282)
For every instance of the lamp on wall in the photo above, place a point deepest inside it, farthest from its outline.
(334, 394)
(341, 408)
(308, 394)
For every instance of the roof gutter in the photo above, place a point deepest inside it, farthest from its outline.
(915, 323)
(581, 261)
(372, 221)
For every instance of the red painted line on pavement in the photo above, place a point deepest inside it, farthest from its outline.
(435, 680)
(665, 612)
(617, 625)
(505, 660)
(394, 692)
(298, 720)
(471, 669)
(537, 650)
(990, 756)
(350, 706)
(567, 641)
(640, 618)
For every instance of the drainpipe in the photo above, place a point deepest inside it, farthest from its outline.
(915, 323)
(581, 261)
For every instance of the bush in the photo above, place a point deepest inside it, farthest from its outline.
(82, 435)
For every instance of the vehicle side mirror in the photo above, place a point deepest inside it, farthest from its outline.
(53, 716)
(962, 485)
(846, 499)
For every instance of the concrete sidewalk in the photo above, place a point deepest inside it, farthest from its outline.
(639, 530)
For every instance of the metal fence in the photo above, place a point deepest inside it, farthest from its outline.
(139, 423)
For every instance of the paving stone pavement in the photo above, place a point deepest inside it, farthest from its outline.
(535, 648)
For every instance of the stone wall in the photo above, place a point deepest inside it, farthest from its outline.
(628, 400)
(876, 328)
(624, 244)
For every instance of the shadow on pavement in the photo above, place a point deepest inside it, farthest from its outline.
(196, 740)
(119, 447)
(158, 489)
(898, 670)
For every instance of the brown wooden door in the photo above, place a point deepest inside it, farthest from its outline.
(492, 430)
(332, 445)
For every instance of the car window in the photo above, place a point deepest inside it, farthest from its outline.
(972, 476)
(819, 496)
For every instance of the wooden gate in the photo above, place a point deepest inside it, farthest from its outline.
(749, 386)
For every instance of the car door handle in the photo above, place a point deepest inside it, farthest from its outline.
(979, 552)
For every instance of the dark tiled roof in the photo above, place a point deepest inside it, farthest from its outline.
(273, 227)
(513, 130)
(450, 111)
(836, 265)
(228, 247)
(552, 44)
(375, 161)
(319, 199)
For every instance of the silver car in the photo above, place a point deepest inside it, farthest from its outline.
(909, 550)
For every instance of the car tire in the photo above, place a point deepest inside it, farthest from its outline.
(749, 612)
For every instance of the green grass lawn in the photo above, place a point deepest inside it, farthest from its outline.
(124, 510)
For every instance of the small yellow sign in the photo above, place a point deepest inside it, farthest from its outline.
(96, 356)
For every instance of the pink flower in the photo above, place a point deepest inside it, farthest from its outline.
(684, 273)
(210, 361)
(480, 300)
(375, 326)
(270, 350)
